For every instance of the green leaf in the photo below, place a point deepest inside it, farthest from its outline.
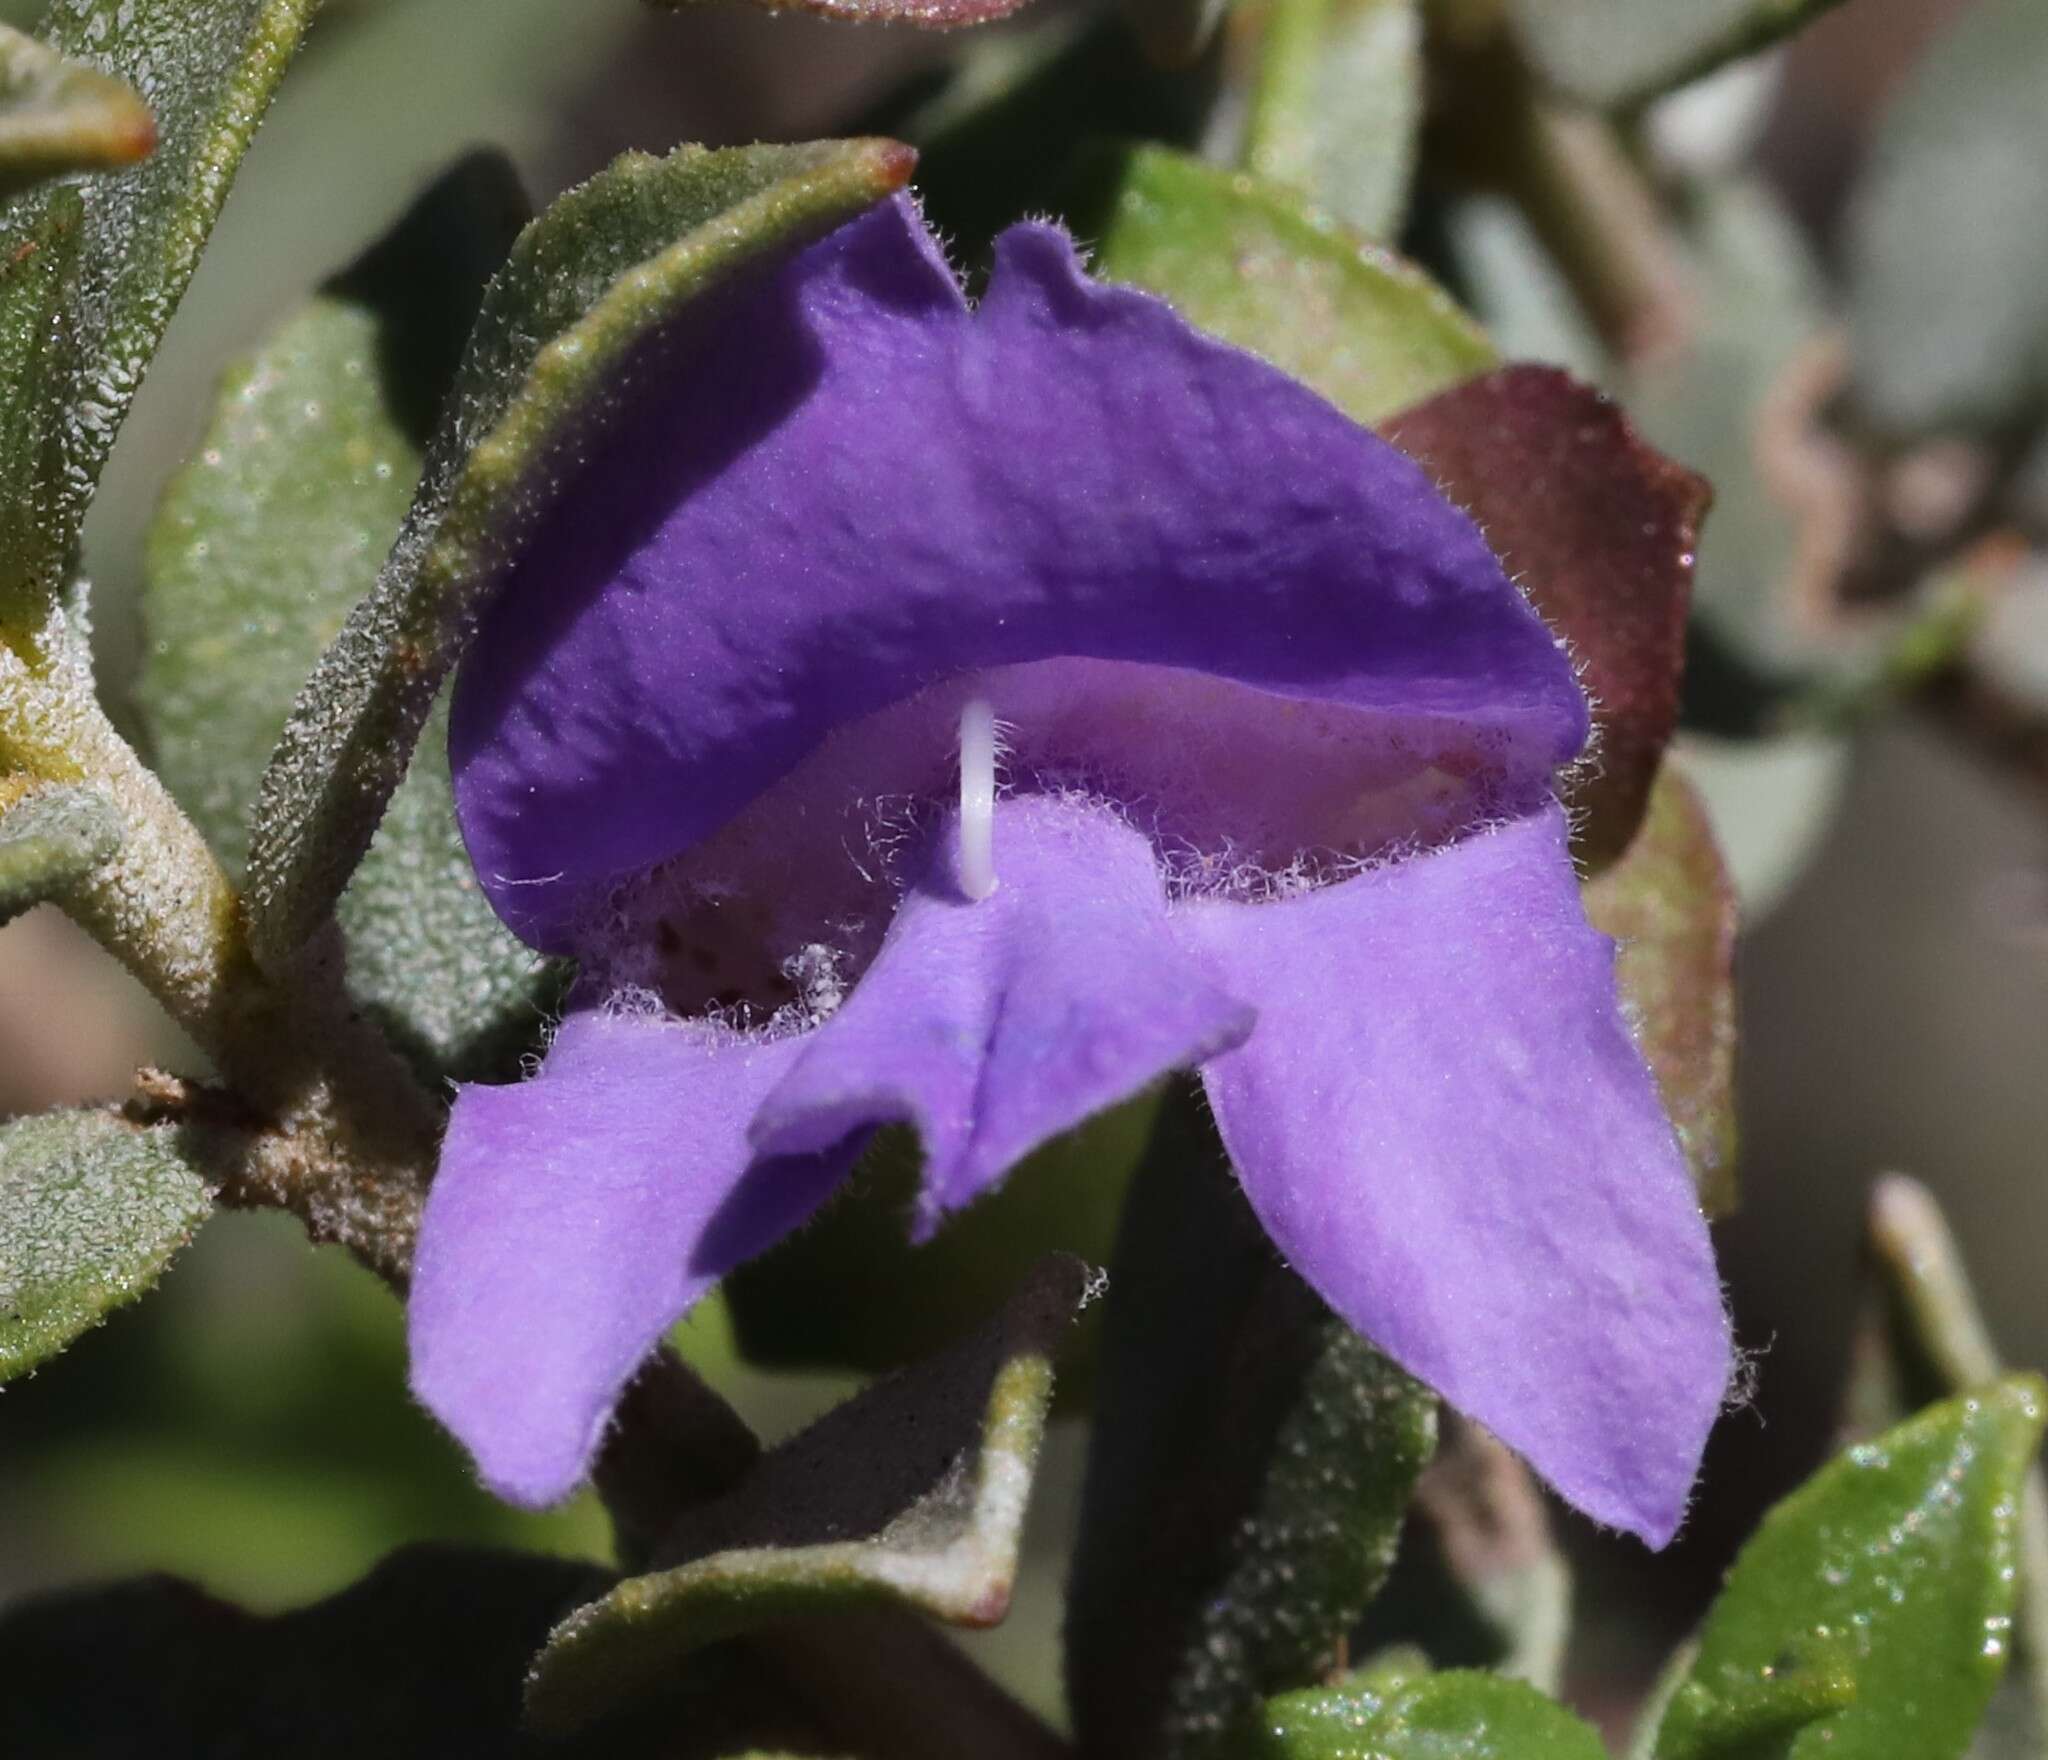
(589, 285)
(1336, 103)
(1245, 262)
(1251, 1462)
(1451, 1716)
(1883, 1588)
(421, 1657)
(37, 263)
(1948, 257)
(912, 1494)
(1622, 53)
(1671, 905)
(1924, 1336)
(49, 839)
(208, 68)
(263, 545)
(91, 1210)
(57, 116)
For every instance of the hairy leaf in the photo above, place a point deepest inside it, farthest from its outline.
(1871, 1613)
(207, 69)
(262, 546)
(1599, 529)
(1250, 1466)
(1622, 53)
(911, 1494)
(1245, 262)
(1671, 905)
(1456, 1715)
(50, 838)
(423, 1657)
(600, 279)
(1949, 291)
(37, 263)
(91, 1210)
(57, 116)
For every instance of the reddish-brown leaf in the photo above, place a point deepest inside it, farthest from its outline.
(1598, 527)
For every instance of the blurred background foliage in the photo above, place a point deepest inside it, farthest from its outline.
(249, 1427)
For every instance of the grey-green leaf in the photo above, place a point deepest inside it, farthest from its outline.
(1336, 103)
(1621, 53)
(263, 545)
(911, 1494)
(207, 68)
(1948, 256)
(49, 839)
(1871, 1613)
(1249, 263)
(1250, 1467)
(91, 1210)
(592, 281)
(57, 116)
(1456, 1715)
(1737, 401)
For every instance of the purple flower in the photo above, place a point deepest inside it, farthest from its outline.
(1274, 799)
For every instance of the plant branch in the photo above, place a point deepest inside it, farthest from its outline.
(347, 1135)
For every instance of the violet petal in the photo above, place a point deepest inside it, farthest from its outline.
(994, 1025)
(843, 487)
(1444, 1125)
(576, 1216)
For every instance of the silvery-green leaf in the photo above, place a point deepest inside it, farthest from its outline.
(91, 1210)
(50, 838)
(912, 1494)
